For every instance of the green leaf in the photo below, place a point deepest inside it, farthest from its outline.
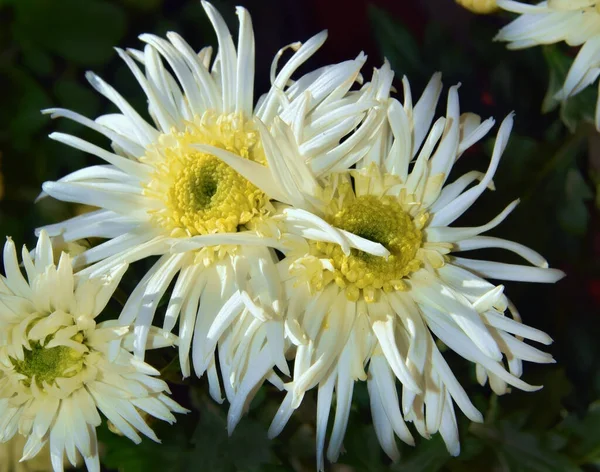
(428, 456)
(520, 163)
(246, 450)
(580, 108)
(122, 454)
(396, 44)
(573, 214)
(549, 401)
(71, 94)
(548, 407)
(520, 451)
(39, 62)
(584, 440)
(143, 5)
(24, 98)
(363, 451)
(82, 33)
(455, 62)
(558, 67)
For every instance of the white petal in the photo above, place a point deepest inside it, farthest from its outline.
(502, 271)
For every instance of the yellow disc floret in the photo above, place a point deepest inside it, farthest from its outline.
(382, 220)
(209, 196)
(376, 206)
(199, 193)
(45, 364)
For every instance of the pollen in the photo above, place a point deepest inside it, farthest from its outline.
(45, 365)
(382, 220)
(197, 192)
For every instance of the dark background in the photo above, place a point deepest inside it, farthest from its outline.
(552, 163)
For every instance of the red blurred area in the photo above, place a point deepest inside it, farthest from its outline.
(348, 23)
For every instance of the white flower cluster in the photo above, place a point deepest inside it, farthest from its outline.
(314, 225)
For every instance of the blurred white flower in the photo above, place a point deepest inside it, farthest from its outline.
(11, 452)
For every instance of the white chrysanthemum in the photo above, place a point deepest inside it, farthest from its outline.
(161, 186)
(370, 278)
(250, 345)
(577, 22)
(58, 367)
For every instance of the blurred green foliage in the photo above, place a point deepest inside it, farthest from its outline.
(552, 163)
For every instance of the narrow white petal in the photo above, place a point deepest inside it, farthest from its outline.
(514, 327)
(451, 235)
(502, 271)
(227, 56)
(480, 242)
(324, 399)
(459, 205)
(245, 64)
(424, 111)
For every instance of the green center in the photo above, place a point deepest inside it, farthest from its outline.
(47, 364)
(381, 220)
(197, 185)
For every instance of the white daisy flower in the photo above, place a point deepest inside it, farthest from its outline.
(576, 22)
(58, 367)
(160, 187)
(372, 280)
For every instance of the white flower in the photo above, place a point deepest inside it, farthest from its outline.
(250, 344)
(58, 367)
(576, 22)
(161, 186)
(12, 450)
(370, 278)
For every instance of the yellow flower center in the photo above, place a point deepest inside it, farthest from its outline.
(382, 220)
(481, 7)
(48, 364)
(199, 192)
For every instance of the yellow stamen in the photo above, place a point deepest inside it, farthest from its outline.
(200, 194)
(381, 220)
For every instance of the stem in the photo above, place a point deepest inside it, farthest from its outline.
(565, 151)
(120, 296)
(492, 412)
